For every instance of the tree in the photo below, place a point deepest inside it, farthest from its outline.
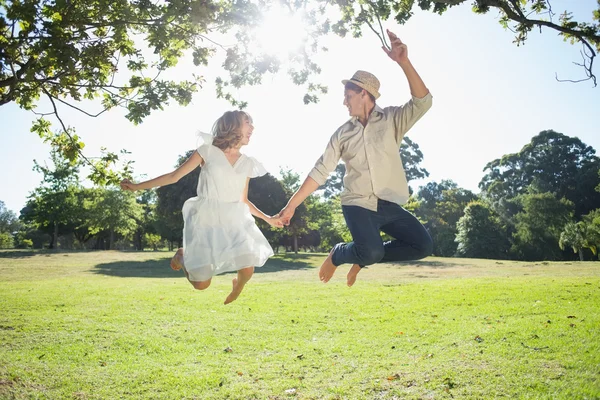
(51, 211)
(335, 182)
(153, 240)
(539, 226)
(299, 222)
(573, 236)
(551, 162)
(269, 196)
(440, 206)
(480, 233)
(592, 231)
(53, 203)
(71, 51)
(146, 225)
(520, 16)
(117, 52)
(6, 240)
(412, 156)
(9, 223)
(29, 236)
(85, 214)
(118, 214)
(326, 217)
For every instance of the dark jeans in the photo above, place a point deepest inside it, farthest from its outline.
(412, 241)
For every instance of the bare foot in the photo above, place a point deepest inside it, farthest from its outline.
(352, 274)
(177, 260)
(235, 291)
(327, 269)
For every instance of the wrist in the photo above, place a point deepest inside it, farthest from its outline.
(405, 63)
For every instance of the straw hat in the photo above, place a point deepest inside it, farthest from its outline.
(366, 81)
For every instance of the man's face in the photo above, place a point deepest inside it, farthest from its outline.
(354, 101)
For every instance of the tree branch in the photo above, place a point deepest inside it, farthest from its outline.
(366, 20)
(16, 74)
(588, 68)
(79, 109)
(521, 18)
(518, 16)
(64, 127)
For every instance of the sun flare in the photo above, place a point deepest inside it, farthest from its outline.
(281, 33)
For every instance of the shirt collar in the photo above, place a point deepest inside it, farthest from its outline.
(376, 109)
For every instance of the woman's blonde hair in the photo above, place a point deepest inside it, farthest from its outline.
(226, 130)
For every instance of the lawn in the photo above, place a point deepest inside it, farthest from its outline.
(109, 325)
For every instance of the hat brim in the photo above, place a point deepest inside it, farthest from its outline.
(374, 92)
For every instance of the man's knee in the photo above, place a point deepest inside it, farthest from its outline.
(370, 255)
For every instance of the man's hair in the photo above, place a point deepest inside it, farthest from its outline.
(355, 88)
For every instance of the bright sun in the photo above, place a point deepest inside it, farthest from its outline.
(281, 33)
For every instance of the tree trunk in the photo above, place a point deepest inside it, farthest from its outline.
(111, 240)
(55, 238)
(139, 242)
(295, 243)
(580, 254)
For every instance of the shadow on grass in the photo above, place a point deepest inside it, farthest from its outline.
(160, 268)
(138, 269)
(27, 253)
(277, 265)
(299, 256)
(18, 253)
(425, 263)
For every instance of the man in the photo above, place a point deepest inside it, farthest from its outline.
(375, 185)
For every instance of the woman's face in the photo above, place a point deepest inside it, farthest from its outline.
(246, 129)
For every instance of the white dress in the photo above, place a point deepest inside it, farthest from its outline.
(220, 234)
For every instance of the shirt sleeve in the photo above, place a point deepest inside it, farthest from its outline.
(407, 115)
(255, 168)
(327, 162)
(204, 152)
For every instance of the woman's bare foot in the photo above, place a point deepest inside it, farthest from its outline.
(238, 283)
(352, 274)
(235, 291)
(177, 260)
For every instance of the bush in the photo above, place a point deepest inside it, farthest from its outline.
(6, 241)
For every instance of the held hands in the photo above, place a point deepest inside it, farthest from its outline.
(126, 184)
(286, 215)
(398, 51)
(275, 221)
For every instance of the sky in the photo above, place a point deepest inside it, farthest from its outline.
(490, 98)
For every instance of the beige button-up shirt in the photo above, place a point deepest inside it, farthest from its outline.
(373, 166)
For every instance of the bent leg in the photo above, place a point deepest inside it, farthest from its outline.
(243, 276)
(412, 241)
(366, 247)
(200, 285)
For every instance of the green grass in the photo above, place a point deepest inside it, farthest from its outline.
(109, 325)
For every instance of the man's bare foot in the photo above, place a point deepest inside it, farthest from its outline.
(177, 260)
(327, 269)
(352, 274)
(235, 291)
